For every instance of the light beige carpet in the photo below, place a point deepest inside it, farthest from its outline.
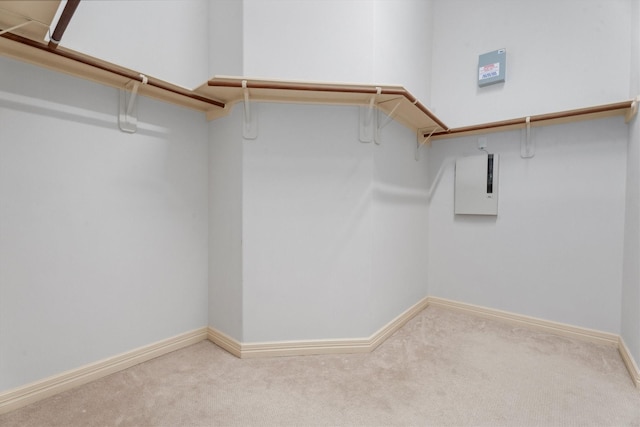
(442, 368)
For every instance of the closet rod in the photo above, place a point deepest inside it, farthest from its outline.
(332, 89)
(63, 22)
(111, 68)
(562, 116)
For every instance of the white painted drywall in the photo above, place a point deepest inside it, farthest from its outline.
(322, 40)
(402, 43)
(360, 41)
(334, 231)
(400, 206)
(554, 250)
(225, 224)
(307, 185)
(103, 235)
(560, 55)
(630, 321)
(165, 39)
(226, 37)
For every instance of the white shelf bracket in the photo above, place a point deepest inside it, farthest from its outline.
(386, 121)
(128, 114)
(250, 121)
(368, 120)
(633, 110)
(420, 141)
(527, 146)
(390, 117)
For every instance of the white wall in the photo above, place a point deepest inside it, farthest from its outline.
(226, 38)
(400, 225)
(334, 234)
(188, 41)
(307, 184)
(402, 44)
(554, 249)
(630, 330)
(560, 55)
(165, 39)
(322, 40)
(360, 41)
(225, 224)
(102, 234)
(631, 279)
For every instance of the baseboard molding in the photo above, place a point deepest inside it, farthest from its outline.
(563, 329)
(301, 348)
(22, 396)
(390, 328)
(633, 369)
(225, 341)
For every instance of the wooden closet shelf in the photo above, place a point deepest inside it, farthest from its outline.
(626, 108)
(395, 101)
(90, 68)
(27, 23)
(29, 19)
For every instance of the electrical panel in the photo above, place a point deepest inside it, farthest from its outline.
(492, 67)
(476, 185)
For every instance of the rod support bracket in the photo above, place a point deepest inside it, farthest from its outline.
(128, 107)
(250, 119)
(422, 140)
(633, 110)
(369, 120)
(527, 146)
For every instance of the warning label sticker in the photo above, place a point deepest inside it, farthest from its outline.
(488, 71)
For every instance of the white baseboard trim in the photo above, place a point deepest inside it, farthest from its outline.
(30, 393)
(300, 348)
(563, 329)
(22, 396)
(633, 369)
(224, 341)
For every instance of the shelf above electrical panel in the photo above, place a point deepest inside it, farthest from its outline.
(625, 108)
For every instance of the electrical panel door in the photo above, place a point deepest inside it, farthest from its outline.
(492, 67)
(476, 185)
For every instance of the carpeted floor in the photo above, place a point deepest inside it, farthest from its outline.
(442, 368)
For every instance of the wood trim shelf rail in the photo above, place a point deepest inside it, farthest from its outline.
(338, 89)
(85, 66)
(627, 108)
(219, 94)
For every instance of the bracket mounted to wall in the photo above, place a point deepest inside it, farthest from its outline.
(386, 121)
(250, 119)
(527, 146)
(369, 120)
(633, 110)
(420, 141)
(128, 107)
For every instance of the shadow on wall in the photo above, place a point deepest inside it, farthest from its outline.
(74, 114)
(399, 195)
(474, 219)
